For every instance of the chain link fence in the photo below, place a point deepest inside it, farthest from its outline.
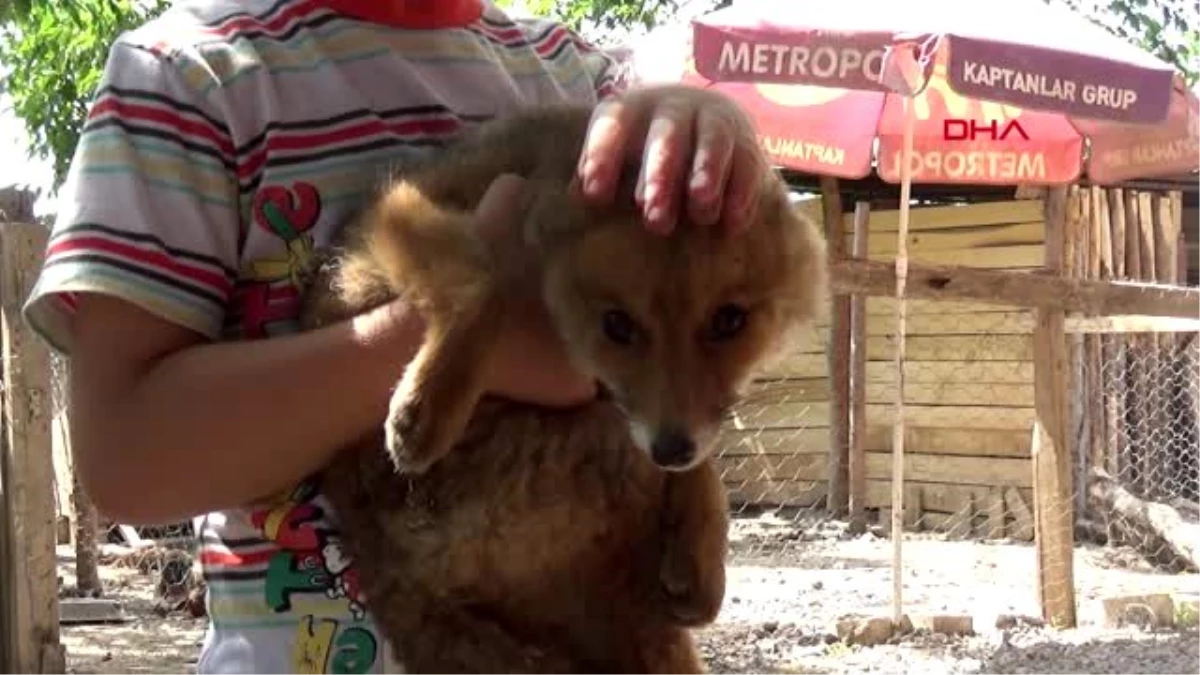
(966, 479)
(1136, 415)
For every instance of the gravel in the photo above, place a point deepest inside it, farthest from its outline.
(791, 577)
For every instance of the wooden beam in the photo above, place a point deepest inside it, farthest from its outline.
(30, 573)
(838, 353)
(1053, 519)
(1131, 324)
(1037, 289)
(857, 468)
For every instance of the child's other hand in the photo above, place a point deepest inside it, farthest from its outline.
(529, 360)
(691, 140)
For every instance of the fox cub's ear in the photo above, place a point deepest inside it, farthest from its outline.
(555, 211)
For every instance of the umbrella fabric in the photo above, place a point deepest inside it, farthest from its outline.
(1120, 152)
(1021, 52)
(1002, 104)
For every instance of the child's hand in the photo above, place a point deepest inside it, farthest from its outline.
(691, 140)
(529, 362)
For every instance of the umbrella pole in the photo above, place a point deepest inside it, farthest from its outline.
(901, 318)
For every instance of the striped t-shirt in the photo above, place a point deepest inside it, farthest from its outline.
(227, 141)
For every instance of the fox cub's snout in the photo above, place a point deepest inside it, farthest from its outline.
(674, 326)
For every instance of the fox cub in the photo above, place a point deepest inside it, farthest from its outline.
(499, 537)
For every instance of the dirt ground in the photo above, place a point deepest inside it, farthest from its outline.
(790, 580)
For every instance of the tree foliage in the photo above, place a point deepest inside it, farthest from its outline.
(54, 54)
(607, 14)
(1169, 29)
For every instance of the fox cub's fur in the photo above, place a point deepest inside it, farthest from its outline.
(498, 537)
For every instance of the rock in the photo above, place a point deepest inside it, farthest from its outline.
(1187, 613)
(1156, 610)
(865, 631)
(945, 624)
(1011, 621)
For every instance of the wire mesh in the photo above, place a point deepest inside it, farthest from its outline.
(1137, 453)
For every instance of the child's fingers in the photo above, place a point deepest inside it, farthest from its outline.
(668, 146)
(710, 165)
(606, 143)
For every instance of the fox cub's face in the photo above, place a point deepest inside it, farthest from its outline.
(674, 326)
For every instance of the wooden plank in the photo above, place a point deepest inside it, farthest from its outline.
(793, 415)
(1130, 324)
(734, 442)
(1097, 229)
(997, 321)
(792, 389)
(31, 569)
(1053, 520)
(886, 307)
(1017, 506)
(993, 508)
(1021, 290)
(964, 215)
(1153, 454)
(954, 394)
(813, 339)
(805, 467)
(798, 365)
(1116, 345)
(956, 348)
(955, 469)
(993, 257)
(838, 354)
(1135, 441)
(934, 441)
(962, 238)
(783, 414)
(786, 493)
(950, 372)
(1167, 230)
(813, 366)
(859, 326)
(77, 611)
(943, 497)
(1116, 220)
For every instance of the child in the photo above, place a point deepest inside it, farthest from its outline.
(228, 140)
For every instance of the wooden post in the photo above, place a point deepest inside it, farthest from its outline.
(1167, 230)
(1093, 346)
(1115, 350)
(1148, 394)
(839, 356)
(1053, 517)
(30, 571)
(1134, 364)
(858, 379)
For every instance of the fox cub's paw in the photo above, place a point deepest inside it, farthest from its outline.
(694, 587)
(411, 435)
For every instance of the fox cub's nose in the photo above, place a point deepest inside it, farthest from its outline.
(672, 448)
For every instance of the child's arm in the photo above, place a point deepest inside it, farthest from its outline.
(166, 425)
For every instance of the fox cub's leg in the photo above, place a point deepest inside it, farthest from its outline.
(695, 535)
(436, 396)
(434, 258)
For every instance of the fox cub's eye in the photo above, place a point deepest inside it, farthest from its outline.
(618, 327)
(726, 322)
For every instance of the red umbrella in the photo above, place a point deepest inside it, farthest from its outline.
(1013, 93)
